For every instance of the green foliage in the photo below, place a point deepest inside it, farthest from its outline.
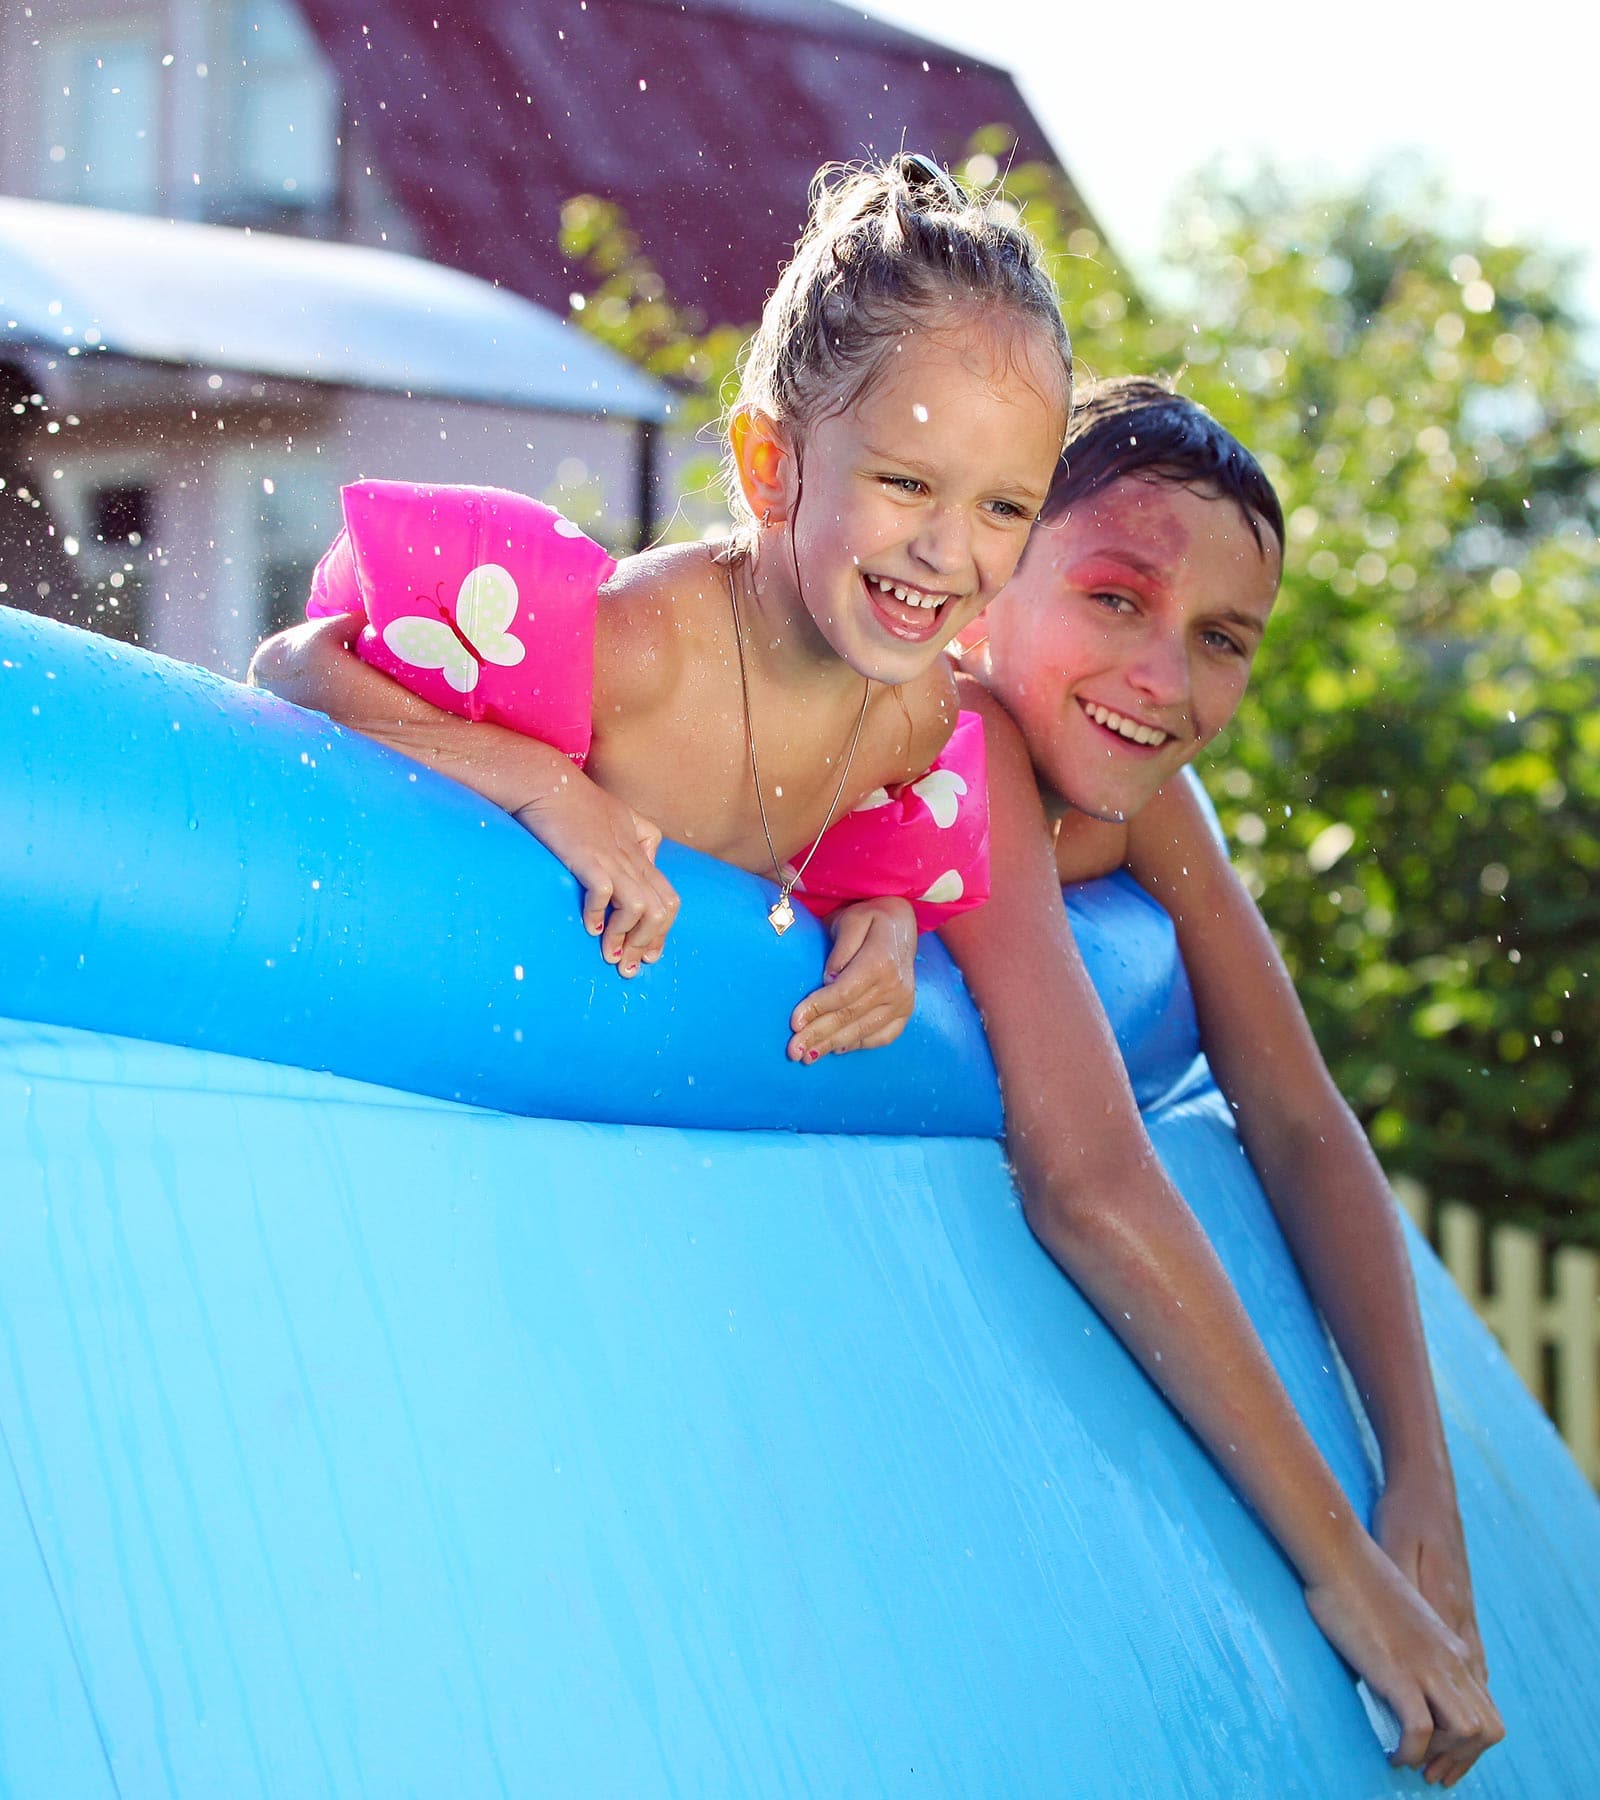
(1413, 782)
(627, 308)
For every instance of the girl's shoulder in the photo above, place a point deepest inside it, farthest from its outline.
(662, 610)
(919, 717)
(679, 586)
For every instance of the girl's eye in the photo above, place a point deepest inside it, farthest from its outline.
(901, 484)
(1009, 509)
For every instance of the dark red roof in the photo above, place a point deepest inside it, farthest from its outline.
(703, 119)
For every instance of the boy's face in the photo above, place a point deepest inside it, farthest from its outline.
(1124, 642)
(918, 501)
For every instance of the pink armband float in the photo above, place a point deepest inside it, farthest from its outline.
(478, 600)
(926, 841)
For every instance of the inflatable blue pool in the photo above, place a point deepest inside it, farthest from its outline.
(432, 1366)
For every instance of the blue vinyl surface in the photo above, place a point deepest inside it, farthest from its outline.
(362, 1441)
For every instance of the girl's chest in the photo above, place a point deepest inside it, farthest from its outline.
(692, 775)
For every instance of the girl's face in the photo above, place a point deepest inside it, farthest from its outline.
(1124, 643)
(916, 504)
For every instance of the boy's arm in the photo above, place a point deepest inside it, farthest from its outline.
(1325, 1184)
(1098, 1200)
(627, 903)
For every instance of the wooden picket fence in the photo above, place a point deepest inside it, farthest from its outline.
(1541, 1302)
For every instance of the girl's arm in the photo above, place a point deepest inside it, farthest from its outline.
(1097, 1198)
(869, 982)
(1324, 1182)
(627, 903)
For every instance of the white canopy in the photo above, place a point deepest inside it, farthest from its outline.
(209, 297)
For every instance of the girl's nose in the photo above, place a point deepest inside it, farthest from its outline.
(943, 544)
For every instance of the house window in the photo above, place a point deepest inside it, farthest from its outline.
(99, 117)
(281, 153)
(295, 516)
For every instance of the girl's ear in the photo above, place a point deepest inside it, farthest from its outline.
(765, 460)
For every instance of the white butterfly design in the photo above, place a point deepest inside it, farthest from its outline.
(485, 606)
(940, 790)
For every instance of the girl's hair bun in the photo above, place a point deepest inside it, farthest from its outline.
(921, 174)
(888, 247)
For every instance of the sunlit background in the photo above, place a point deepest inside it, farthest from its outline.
(253, 249)
(1499, 101)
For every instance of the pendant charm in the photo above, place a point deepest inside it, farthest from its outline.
(781, 915)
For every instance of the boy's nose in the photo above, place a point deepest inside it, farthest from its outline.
(1161, 671)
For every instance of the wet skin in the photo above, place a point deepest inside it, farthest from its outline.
(1124, 642)
(929, 485)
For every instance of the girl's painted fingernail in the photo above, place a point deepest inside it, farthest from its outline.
(812, 1055)
(630, 968)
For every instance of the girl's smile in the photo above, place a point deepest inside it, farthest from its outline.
(914, 504)
(1124, 642)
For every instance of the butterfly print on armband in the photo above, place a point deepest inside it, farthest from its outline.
(459, 643)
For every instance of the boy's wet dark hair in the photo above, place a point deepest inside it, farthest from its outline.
(1131, 426)
(887, 247)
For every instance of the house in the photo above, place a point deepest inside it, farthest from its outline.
(180, 403)
(195, 492)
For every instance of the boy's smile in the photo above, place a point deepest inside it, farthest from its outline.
(1124, 642)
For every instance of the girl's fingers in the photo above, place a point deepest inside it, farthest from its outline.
(596, 898)
(657, 910)
(649, 835)
(879, 1027)
(851, 935)
(627, 908)
(868, 1026)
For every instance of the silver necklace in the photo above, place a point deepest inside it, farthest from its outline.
(780, 916)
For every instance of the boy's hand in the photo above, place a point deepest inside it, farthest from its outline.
(869, 982)
(1389, 1634)
(627, 903)
(1419, 1529)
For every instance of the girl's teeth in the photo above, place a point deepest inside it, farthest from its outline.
(907, 596)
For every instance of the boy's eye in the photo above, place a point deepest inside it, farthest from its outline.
(1220, 640)
(1117, 603)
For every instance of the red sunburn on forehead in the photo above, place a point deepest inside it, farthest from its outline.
(1114, 567)
(1136, 507)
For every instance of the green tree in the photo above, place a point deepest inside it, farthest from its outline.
(1413, 783)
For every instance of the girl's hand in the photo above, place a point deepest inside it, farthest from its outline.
(869, 982)
(1388, 1633)
(627, 903)
(1419, 1528)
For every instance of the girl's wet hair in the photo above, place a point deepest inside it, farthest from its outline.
(887, 246)
(1131, 426)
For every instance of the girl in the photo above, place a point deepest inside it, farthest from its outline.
(902, 407)
(1121, 647)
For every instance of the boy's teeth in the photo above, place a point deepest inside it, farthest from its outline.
(1128, 728)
